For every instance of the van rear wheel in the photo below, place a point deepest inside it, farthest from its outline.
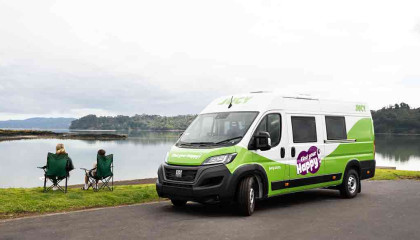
(178, 203)
(351, 184)
(246, 196)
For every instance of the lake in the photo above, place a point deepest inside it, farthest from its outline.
(140, 155)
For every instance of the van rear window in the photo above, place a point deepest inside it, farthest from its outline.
(336, 128)
(304, 129)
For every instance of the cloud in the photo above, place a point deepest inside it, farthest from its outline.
(175, 57)
(417, 28)
(40, 92)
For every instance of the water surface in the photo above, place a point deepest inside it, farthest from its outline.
(137, 157)
(140, 155)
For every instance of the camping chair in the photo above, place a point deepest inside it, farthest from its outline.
(104, 173)
(56, 171)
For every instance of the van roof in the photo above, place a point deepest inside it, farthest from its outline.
(266, 101)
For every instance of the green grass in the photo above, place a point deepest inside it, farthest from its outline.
(16, 202)
(388, 174)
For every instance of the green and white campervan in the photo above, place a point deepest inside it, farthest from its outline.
(247, 147)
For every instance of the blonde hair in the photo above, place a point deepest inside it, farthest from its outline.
(59, 149)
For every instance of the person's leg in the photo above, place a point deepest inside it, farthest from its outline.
(86, 182)
(96, 180)
(55, 183)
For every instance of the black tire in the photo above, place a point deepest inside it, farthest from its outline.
(178, 203)
(351, 184)
(246, 196)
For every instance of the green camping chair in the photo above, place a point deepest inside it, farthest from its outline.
(104, 172)
(56, 171)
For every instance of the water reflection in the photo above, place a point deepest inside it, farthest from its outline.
(400, 148)
(402, 152)
(140, 137)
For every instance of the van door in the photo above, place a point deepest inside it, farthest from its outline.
(306, 151)
(273, 160)
(336, 135)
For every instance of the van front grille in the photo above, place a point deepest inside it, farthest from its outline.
(186, 175)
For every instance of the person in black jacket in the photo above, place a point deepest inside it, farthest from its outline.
(59, 149)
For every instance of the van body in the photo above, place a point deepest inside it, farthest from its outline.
(247, 147)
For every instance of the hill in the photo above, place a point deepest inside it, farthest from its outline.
(136, 122)
(38, 123)
(399, 118)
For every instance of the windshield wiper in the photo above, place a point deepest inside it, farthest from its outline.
(228, 140)
(196, 143)
(201, 143)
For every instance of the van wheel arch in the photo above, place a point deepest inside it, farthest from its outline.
(355, 164)
(255, 171)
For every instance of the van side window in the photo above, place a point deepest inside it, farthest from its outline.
(336, 128)
(271, 124)
(304, 129)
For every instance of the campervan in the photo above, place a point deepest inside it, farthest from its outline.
(248, 147)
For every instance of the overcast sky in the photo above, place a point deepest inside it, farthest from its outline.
(72, 58)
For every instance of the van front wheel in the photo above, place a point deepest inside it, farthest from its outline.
(246, 196)
(351, 184)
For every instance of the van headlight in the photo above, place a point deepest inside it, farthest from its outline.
(225, 159)
(166, 158)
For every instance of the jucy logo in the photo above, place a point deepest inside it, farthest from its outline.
(360, 108)
(237, 100)
(309, 161)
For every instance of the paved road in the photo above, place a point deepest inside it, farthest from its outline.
(384, 210)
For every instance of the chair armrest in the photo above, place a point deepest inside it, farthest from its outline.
(84, 169)
(44, 167)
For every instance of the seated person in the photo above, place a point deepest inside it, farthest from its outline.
(92, 172)
(59, 149)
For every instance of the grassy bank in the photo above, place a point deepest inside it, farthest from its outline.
(16, 202)
(388, 174)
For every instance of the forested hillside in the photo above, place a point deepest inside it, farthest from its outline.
(399, 118)
(139, 122)
(38, 123)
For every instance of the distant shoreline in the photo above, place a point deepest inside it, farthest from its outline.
(399, 134)
(10, 135)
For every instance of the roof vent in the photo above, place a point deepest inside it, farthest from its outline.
(302, 97)
(260, 92)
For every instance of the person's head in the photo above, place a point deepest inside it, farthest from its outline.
(59, 149)
(101, 152)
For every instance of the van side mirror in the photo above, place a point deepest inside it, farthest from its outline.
(262, 141)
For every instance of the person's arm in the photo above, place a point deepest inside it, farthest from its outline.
(70, 165)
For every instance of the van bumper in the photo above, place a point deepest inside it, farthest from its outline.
(367, 169)
(209, 184)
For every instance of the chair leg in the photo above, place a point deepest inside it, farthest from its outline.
(105, 183)
(112, 183)
(45, 183)
(66, 185)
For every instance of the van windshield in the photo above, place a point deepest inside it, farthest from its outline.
(211, 129)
